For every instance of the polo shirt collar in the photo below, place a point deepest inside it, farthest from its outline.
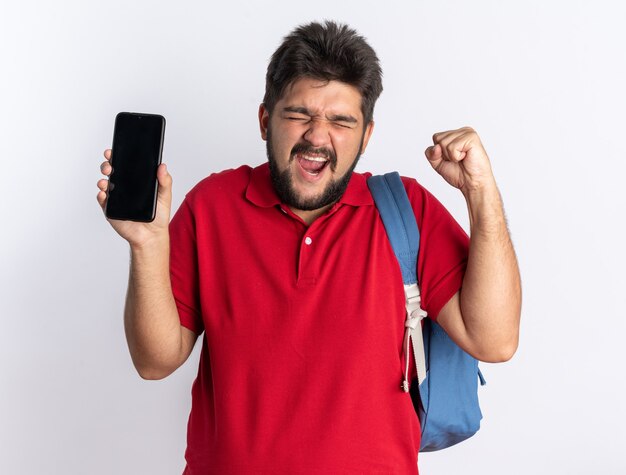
(260, 190)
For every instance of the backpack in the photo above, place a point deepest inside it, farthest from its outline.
(445, 398)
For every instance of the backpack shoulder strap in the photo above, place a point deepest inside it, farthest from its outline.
(397, 215)
(399, 220)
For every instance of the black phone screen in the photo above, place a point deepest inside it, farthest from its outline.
(136, 155)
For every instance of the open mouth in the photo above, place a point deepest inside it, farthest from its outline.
(311, 164)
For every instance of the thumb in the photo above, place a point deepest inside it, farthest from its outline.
(165, 183)
(434, 155)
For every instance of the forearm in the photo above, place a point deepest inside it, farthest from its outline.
(491, 292)
(151, 320)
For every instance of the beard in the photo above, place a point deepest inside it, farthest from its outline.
(283, 181)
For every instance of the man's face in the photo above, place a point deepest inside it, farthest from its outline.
(314, 136)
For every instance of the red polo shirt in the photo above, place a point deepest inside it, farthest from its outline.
(301, 358)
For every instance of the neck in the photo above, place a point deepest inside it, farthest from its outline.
(309, 216)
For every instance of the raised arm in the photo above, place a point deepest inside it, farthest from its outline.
(484, 317)
(157, 342)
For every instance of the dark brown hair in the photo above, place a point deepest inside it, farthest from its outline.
(328, 52)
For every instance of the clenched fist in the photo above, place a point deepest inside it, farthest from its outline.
(460, 158)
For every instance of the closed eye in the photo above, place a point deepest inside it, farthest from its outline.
(344, 125)
(303, 115)
(344, 121)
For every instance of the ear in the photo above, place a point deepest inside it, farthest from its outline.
(264, 120)
(369, 128)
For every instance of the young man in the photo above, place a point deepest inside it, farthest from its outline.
(287, 271)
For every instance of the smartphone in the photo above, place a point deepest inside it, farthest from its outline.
(135, 157)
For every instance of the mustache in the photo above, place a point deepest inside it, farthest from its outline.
(302, 148)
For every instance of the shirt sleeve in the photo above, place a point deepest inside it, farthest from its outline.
(444, 247)
(184, 268)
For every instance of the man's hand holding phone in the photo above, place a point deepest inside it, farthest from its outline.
(140, 234)
(137, 196)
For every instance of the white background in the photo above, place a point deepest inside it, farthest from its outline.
(542, 82)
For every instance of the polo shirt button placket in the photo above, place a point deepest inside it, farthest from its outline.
(307, 265)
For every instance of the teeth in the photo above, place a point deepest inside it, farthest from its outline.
(314, 159)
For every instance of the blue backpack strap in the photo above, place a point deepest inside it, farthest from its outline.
(399, 220)
(446, 398)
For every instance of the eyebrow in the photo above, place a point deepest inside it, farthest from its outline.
(332, 118)
(297, 110)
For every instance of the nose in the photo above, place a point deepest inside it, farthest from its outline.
(318, 133)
